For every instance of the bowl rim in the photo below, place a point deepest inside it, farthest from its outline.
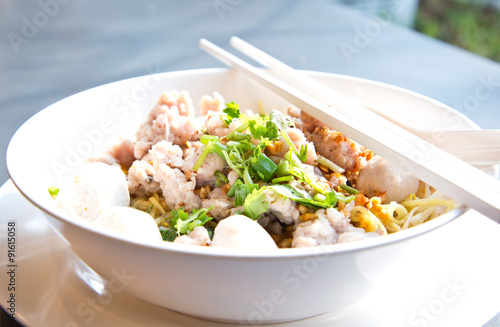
(229, 253)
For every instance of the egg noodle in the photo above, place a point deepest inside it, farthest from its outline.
(394, 217)
(154, 205)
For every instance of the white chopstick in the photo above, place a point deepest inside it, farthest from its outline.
(311, 87)
(432, 165)
(296, 79)
(354, 109)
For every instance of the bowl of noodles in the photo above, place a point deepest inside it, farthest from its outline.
(204, 193)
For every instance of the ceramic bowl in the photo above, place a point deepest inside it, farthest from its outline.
(245, 287)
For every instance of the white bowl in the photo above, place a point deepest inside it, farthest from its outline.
(213, 283)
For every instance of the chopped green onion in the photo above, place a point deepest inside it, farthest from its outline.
(329, 164)
(303, 152)
(237, 130)
(292, 166)
(341, 197)
(264, 167)
(348, 189)
(243, 145)
(167, 234)
(246, 177)
(319, 197)
(283, 169)
(242, 192)
(207, 138)
(288, 141)
(235, 156)
(53, 191)
(332, 198)
(240, 195)
(233, 188)
(218, 148)
(231, 164)
(203, 155)
(241, 128)
(238, 137)
(293, 159)
(282, 179)
(303, 197)
(220, 178)
(151, 206)
(282, 122)
(255, 204)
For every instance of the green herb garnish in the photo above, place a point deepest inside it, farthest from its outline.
(182, 222)
(220, 178)
(348, 189)
(167, 234)
(255, 204)
(53, 191)
(232, 111)
(243, 151)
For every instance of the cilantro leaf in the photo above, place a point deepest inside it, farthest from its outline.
(177, 215)
(299, 196)
(240, 191)
(262, 127)
(232, 111)
(291, 166)
(183, 222)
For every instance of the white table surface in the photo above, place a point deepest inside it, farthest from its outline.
(51, 49)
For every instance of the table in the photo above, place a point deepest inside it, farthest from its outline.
(51, 49)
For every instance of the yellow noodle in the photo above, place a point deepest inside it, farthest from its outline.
(367, 220)
(420, 217)
(409, 218)
(156, 196)
(428, 202)
(157, 204)
(395, 217)
(141, 204)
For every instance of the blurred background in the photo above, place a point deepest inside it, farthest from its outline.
(473, 25)
(51, 49)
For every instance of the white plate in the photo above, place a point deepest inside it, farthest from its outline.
(458, 287)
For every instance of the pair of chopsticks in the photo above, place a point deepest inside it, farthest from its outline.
(459, 180)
